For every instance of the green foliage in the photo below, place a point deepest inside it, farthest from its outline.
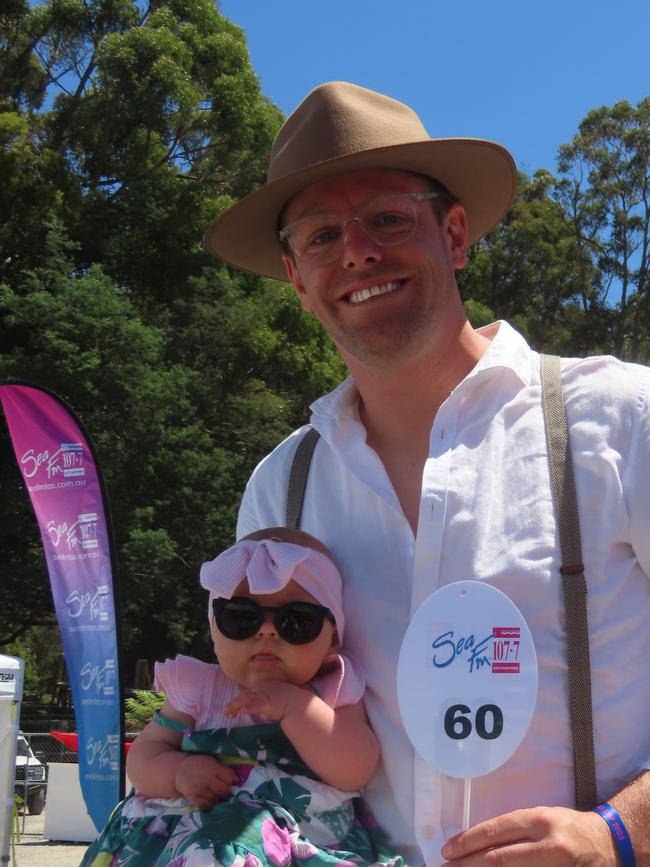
(42, 659)
(569, 265)
(124, 130)
(528, 272)
(140, 707)
(605, 189)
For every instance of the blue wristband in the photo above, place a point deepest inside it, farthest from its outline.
(619, 833)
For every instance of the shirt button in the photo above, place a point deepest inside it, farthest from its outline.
(426, 832)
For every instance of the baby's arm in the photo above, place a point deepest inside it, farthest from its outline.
(159, 769)
(337, 744)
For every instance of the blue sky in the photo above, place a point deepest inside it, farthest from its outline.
(521, 73)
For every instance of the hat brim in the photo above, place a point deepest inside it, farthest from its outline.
(480, 173)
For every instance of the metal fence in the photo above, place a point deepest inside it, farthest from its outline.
(36, 750)
(48, 749)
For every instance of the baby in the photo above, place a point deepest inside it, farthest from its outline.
(257, 760)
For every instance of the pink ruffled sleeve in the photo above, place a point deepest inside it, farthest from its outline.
(183, 680)
(342, 681)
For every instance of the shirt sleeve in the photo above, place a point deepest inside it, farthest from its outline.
(183, 681)
(342, 681)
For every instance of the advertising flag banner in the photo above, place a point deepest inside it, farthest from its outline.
(60, 471)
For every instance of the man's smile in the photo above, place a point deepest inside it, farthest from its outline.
(360, 295)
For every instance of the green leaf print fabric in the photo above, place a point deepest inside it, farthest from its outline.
(279, 814)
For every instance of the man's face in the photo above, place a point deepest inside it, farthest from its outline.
(379, 302)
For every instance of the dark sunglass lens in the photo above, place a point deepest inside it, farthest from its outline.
(299, 624)
(239, 619)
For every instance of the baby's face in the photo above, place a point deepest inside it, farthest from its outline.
(266, 656)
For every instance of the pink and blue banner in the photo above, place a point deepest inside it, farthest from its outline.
(60, 471)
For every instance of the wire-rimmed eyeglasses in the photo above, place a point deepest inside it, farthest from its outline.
(387, 220)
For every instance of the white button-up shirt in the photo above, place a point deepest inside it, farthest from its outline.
(486, 513)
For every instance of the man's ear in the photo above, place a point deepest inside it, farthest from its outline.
(455, 229)
(296, 281)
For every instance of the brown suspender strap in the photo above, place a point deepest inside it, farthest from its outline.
(298, 477)
(573, 578)
(573, 582)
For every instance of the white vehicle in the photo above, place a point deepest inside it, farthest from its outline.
(31, 777)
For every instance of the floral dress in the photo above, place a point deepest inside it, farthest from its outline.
(279, 813)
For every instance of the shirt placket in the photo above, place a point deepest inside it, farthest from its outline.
(426, 580)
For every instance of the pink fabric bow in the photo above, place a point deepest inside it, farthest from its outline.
(269, 565)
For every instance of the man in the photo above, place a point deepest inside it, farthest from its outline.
(432, 466)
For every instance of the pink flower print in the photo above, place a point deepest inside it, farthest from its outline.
(249, 861)
(303, 849)
(277, 843)
(243, 773)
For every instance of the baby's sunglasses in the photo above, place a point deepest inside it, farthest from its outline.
(296, 622)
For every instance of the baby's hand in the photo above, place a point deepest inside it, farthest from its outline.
(204, 781)
(272, 699)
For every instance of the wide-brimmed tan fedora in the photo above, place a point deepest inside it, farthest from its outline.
(341, 127)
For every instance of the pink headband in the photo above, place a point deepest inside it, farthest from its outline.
(269, 565)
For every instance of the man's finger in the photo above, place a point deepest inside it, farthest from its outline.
(527, 854)
(510, 828)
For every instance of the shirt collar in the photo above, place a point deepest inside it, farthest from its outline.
(508, 350)
(343, 400)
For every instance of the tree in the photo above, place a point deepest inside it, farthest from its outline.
(126, 128)
(531, 271)
(154, 122)
(570, 263)
(605, 190)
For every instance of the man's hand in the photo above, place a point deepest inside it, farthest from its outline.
(274, 699)
(538, 837)
(204, 781)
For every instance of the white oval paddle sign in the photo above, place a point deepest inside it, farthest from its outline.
(467, 679)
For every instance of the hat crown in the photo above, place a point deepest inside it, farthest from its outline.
(337, 119)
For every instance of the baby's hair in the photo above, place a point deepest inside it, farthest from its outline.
(294, 537)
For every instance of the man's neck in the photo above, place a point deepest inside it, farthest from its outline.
(400, 401)
(398, 406)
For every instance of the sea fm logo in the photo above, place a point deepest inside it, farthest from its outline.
(66, 462)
